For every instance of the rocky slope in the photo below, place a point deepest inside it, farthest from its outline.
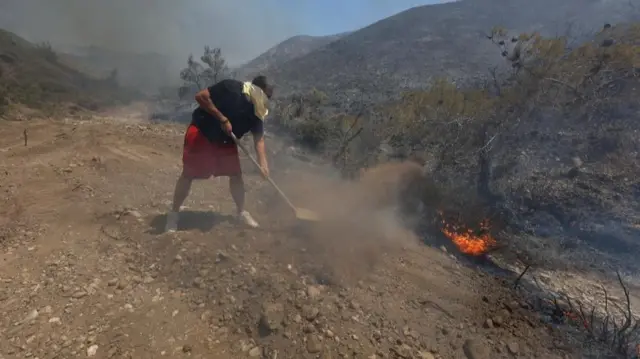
(36, 76)
(86, 273)
(285, 51)
(408, 49)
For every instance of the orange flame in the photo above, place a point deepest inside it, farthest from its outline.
(468, 241)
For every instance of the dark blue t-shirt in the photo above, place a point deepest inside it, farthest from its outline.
(228, 97)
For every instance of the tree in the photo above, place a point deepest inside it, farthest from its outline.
(191, 76)
(197, 76)
(216, 65)
(112, 78)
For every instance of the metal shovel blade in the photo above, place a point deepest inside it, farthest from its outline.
(304, 214)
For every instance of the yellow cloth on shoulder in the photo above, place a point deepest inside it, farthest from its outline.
(258, 98)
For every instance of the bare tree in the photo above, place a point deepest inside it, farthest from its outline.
(191, 76)
(197, 76)
(216, 65)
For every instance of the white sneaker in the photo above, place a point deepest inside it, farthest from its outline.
(172, 222)
(245, 217)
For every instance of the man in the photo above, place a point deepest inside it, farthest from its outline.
(230, 106)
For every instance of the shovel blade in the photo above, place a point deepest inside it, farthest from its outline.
(304, 214)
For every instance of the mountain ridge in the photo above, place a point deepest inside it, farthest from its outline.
(409, 49)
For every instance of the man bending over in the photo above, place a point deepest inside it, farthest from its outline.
(230, 106)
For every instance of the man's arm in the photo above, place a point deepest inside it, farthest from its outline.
(258, 141)
(203, 97)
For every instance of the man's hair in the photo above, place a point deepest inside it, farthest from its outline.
(261, 81)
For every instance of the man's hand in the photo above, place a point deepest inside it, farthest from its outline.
(203, 97)
(264, 170)
(226, 126)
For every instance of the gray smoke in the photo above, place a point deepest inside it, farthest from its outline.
(169, 27)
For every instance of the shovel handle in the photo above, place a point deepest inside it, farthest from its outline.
(255, 162)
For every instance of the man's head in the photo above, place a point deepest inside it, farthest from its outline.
(261, 82)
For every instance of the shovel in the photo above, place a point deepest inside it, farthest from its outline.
(302, 214)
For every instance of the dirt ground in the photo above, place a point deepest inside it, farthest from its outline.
(86, 271)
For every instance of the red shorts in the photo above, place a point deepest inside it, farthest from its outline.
(202, 159)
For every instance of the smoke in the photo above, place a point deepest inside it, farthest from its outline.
(360, 221)
(174, 28)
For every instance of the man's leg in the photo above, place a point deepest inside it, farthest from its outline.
(195, 164)
(227, 164)
(236, 186)
(183, 186)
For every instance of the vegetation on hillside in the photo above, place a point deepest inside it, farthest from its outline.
(197, 76)
(454, 124)
(31, 75)
(516, 144)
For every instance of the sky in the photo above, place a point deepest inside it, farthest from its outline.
(243, 29)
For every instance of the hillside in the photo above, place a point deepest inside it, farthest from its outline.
(410, 48)
(285, 51)
(34, 75)
(85, 271)
(513, 236)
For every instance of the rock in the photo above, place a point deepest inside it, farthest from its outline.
(79, 294)
(476, 349)
(198, 282)
(577, 162)
(354, 305)
(186, 348)
(313, 344)
(498, 320)
(309, 328)
(255, 352)
(121, 284)
(377, 335)
(135, 214)
(310, 313)
(512, 306)
(206, 316)
(513, 347)
(425, 355)
(403, 351)
(271, 318)
(221, 256)
(313, 291)
(488, 323)
(92, 350)
(31, 316)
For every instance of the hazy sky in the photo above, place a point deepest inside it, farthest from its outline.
(175, 27)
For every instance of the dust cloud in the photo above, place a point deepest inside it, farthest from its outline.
(171, 28)
(361, 220)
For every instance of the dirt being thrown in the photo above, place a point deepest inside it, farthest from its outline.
(361, 220)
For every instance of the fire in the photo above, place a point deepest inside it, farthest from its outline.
(469, 241)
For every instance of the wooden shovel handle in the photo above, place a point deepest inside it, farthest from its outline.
(255, 162)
